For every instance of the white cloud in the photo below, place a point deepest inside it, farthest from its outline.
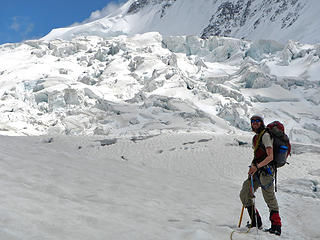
(22, 25)
(111, 8)
(15, 25)
(28, 28)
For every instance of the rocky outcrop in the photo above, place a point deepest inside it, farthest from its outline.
(137, 5)
(231, 16)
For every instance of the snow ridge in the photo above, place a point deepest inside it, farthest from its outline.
(250, 19)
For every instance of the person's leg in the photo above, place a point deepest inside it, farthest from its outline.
(253, 217)
(246, 197)
(271, 200)
(246, 194)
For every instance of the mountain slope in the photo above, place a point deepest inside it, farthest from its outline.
(250, 19)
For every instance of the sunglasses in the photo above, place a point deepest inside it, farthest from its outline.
(255, 120)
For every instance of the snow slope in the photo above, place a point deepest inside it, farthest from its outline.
(280, 20)
(146, 136)
(168, 186)
(149, 83)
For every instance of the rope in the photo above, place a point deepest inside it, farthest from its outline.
(264, 187)
(235, 231)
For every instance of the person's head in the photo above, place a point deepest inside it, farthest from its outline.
(257, 124)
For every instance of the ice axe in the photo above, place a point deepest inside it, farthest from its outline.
(241, 215)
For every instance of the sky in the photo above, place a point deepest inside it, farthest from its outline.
(21, 20)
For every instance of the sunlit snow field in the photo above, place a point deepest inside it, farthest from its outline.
(168, 186)
(139, 137)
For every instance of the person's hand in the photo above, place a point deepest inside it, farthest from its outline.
(252, 170)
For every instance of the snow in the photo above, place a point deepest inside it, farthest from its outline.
(105, 134)
(280, 20)
(167, 186)
(124, 85)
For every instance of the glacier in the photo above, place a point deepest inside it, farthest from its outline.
(136, 125)
(151, 83)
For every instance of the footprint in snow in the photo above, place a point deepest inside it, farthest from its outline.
(204, 140)
(188, 143)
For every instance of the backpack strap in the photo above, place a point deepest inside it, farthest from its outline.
(258, 140)
(275, 179)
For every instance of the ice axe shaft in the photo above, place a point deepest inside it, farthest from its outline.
(241, 215)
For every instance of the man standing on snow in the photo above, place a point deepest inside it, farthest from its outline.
(263, 176)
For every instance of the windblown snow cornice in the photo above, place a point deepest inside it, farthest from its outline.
(280, 20)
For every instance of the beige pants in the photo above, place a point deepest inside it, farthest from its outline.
(268, 193)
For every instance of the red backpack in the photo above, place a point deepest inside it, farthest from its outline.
(281, 143)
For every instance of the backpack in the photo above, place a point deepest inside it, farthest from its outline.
(281, 143)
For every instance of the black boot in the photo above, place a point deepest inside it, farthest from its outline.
(275, 223)
(253, 218)
(275, 229)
